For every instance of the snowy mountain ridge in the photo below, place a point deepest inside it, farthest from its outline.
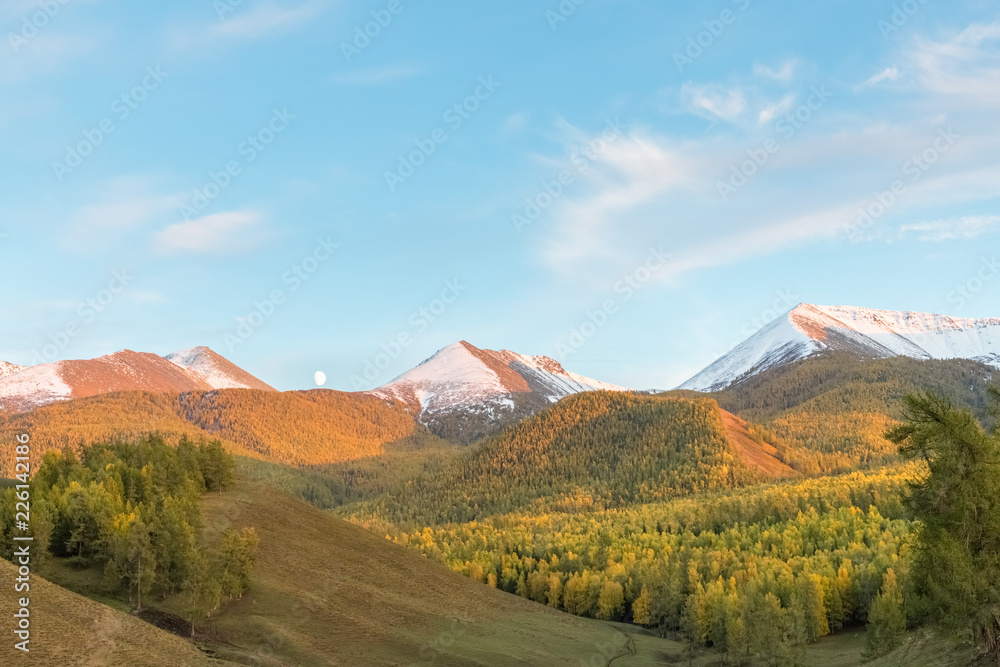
(25, 388)
(462, 377)
(809, 329)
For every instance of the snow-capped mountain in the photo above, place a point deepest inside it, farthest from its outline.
(216, 369)
(33, 386)
(808, 329)
(501, 385)
(7, 368)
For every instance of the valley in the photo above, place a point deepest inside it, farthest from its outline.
(491, 508)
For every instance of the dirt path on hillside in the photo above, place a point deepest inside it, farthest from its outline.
(627, 650)
(760, 456)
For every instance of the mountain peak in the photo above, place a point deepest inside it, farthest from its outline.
(809, 329)
(464, 378)
(218, 371)
(197, 369)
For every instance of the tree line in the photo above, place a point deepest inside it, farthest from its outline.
(132, 508)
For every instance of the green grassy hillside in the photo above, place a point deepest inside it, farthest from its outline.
(325, 592)
(70, 630)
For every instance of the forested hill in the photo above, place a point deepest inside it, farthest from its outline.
(834, 382)
(829, 413)
(297, 428)
(592, 450)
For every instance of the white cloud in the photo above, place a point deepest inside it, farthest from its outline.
(661, 191)
(247, 23)
(966, 64)
(118, 207)
(783, 73)
(967, 227)
(713, 101)
(772, 111)
(633, 171)
(888, 74)
(376, 75)
(47, 51)
(217, 234)
(266, 18)
(517, 121)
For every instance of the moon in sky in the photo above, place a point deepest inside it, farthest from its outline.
(320, 378)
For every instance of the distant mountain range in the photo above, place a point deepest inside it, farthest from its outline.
(807, 330)
(463, 392)
(196, 369)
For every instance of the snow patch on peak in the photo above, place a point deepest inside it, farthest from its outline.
(462, 376)
(7, 368)
(44, 384)
(214, 369)
(808, 329)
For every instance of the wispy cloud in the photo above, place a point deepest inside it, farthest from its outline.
(714, 101)
(247, 23)
(772, 111)
(120, 206)
(888, 74)
(376, 75)
(634, 171)
(783, 73)
(47, 51)
(965, 64)
(226, 233)
(968, 227)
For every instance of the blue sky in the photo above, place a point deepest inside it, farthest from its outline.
(630, 187)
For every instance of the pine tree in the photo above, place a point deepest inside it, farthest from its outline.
(886, 620)
(766, 627)
(737, 639)
(957, 566)
(238, 556)
(810, 592)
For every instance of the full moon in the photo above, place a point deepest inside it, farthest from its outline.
(320, 378)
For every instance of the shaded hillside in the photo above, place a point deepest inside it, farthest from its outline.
(598, 449)
(829, 413)
(840, 382)
(70, 630)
